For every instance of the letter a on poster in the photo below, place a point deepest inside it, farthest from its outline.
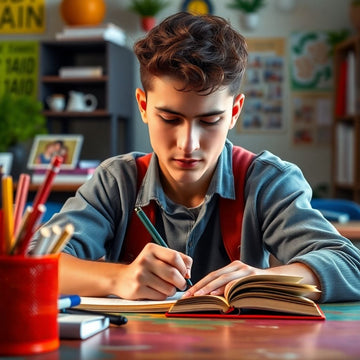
(22, 16)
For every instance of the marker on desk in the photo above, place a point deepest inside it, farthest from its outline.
(68, 301)
(114, 319)
(153, 232)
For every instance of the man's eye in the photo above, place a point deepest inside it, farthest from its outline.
(211, 122)
(169, 120)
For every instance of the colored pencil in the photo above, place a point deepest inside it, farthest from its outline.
(28, 230)
(63, 239)
(44, 190)
(20, 199)
(8, 216)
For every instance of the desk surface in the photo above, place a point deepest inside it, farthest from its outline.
(152, 336)
(350, 230)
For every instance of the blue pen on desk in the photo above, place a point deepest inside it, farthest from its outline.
(153, 232)
(68, 301)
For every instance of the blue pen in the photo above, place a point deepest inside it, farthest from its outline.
(67, 301)
(153, 232)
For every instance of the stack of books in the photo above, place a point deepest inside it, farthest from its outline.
(109, 32)
(80, 71)
(65, 176)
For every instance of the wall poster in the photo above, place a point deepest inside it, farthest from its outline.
(22, 16)
(263, 86)
(312, 114)
(311, 75)
(19, 67)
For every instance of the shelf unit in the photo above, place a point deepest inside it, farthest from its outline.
(346, 126)
(107, 130)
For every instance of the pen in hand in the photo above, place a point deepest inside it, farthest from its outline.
(154, 233)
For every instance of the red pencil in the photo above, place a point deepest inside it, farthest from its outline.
(20, 199)
(44, 190)
(2, 240)
(24, 237)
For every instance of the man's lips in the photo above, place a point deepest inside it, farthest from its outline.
(187, 163)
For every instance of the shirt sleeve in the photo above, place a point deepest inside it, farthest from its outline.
(279, 219)
(100, 210)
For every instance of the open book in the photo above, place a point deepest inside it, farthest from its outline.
(258, 295)
(271, 293)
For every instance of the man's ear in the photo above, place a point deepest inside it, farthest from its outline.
(141, 100)
(236, 110)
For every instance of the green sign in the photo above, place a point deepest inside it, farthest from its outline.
(19, 67)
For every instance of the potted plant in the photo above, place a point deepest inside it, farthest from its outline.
(148, 9)
(20, 120)
(249, 8)
(355, 14)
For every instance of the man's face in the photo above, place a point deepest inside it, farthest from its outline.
(187, 130)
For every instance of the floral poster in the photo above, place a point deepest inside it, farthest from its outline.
(311, 73)
(263, 86)
(311, 63)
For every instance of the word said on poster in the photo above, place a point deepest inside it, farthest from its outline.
(22, 16)
(19, 67)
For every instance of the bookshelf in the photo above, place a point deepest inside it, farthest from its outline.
(346, 126)
(107, 129)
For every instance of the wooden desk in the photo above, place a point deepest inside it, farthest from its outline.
(350, 230)
(150, 336)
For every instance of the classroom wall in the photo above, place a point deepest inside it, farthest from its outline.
(309, 15)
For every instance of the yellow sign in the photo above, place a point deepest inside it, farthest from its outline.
(22, 16)
(19, 67)
(198, 7)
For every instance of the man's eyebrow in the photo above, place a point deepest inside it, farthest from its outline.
(173, 112)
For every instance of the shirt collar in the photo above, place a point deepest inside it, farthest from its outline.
(222, 182)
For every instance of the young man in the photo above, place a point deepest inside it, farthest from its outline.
(191, 69)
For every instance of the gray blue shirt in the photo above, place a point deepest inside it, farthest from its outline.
(278, 219)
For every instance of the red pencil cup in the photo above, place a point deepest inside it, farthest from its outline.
(28, 303)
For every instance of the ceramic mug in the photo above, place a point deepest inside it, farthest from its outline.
(56, 102)
(79, 101)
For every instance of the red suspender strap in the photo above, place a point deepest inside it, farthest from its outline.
(231, 211)
(136, 236)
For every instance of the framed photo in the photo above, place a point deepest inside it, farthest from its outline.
(46, 146)
(6, 160)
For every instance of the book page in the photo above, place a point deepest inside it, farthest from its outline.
(116, 304)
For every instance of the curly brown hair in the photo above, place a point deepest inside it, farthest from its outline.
(204, 52)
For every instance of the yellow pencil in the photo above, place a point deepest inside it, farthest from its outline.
(63, 239)
(8, 203)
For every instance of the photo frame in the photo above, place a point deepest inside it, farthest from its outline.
(46, 146)
(6, 160)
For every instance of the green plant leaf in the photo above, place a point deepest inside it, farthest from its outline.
(20, 120)
(148, 7)
(247, 6)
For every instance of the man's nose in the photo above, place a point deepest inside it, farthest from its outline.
(189, 138)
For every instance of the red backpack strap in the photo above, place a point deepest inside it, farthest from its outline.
(232, 211)
(136, 236)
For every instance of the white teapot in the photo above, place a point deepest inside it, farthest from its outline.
(79, 101)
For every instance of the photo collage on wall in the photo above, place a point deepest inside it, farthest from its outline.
(263, 86)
